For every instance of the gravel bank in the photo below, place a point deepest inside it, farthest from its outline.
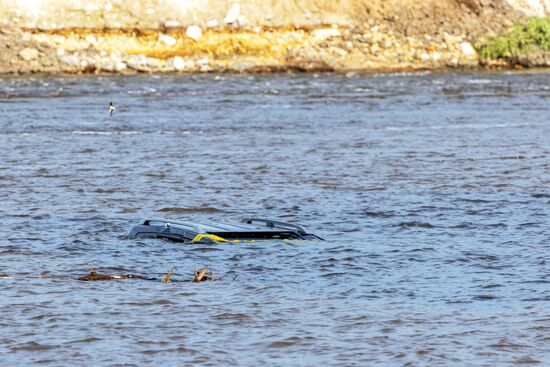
(164, 36)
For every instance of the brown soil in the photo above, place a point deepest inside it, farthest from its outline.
(285, 41)
(472, 18)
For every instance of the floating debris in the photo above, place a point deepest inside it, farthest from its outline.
(203, 275)
(94, 275)
(200, 276)
(168, 276)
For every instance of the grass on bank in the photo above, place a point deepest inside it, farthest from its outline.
(533, 36)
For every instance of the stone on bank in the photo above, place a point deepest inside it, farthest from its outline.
(28, 54)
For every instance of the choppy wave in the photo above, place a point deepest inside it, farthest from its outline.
(431, 191)
(97, 132)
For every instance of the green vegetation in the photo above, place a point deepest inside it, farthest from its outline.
(533, 36)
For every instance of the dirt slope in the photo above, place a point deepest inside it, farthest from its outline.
(153, 35)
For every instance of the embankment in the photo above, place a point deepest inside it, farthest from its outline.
(124, 36)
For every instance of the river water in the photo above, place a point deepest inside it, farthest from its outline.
(431, 190)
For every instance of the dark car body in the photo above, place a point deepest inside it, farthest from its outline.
(248, 229)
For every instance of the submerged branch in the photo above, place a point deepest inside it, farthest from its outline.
(94, 275)
(199, 276)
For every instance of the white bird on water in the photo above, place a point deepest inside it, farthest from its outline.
(112, 108)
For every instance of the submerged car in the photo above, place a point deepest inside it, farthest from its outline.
(248, 229)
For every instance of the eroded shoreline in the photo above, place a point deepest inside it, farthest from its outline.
(258, 49)
(159, 36)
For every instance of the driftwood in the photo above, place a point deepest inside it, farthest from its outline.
(168, 276)
(200, 276)
(94, 275)
(203, 275)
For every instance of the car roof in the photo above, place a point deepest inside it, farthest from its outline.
(245, 225)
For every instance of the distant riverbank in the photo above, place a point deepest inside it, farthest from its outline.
(322, 48)
(362, 36)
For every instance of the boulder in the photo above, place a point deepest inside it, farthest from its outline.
(172, 24)
(204, 65)
(179, 63)
(324, 33)
(167, 40)
(71, 60)
(212, 23)
(194, 32)
(241, 21)
(28, 54)
(467, 49)
(233, 14)
(142, 63)
(531, 8)
(120, 66)
(91, 39)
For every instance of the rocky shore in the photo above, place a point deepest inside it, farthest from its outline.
(105, 37)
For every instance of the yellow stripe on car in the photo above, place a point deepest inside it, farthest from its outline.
(212, 237)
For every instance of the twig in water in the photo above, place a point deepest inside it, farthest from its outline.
(202, 275)
(168, 276)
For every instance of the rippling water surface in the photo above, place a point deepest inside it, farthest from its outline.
(431, 190)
